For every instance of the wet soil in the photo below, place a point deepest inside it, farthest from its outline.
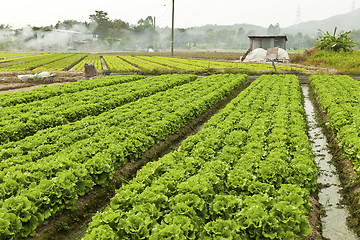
(9, 81)
(334, 213)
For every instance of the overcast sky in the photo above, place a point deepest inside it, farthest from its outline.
(188, 13)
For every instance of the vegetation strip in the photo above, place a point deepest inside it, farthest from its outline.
(336, 98)
(115, 64)
(125, 63)
(41, 192)
(334, 212)
(246, 175)
(26, 119)
(94, 59)
(22, 63)
(12, 99)
(339, 99)
(62, 64)
(96, 200)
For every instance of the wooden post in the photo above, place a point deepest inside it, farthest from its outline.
(274, 65)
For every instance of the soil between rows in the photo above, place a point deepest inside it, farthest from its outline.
(350, 182)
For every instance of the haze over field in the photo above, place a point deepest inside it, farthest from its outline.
(188, 13)
(200, 25)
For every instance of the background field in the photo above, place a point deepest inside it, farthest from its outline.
(143, 63)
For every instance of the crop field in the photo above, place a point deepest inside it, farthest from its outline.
(339, 98)
(177, 156)
(77, 156)
(52, 61)
(246, 175)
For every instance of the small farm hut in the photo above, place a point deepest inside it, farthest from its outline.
(266, 42)
(262, 44)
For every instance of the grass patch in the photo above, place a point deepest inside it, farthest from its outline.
(347, 63)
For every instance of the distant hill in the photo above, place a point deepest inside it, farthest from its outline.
(221, 39)
(234, 27)
(344, 22)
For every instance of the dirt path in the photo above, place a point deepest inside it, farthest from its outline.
(9, 81)
(20, 88)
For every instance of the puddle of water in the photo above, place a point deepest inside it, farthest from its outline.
(334, 221)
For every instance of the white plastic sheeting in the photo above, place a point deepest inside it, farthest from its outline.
(256, 55)
(259, 55)
(283, 55)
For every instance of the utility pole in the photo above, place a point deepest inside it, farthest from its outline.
(172, 29)
(154, 34)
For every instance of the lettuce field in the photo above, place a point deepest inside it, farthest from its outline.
(54, 61)
(247, 172)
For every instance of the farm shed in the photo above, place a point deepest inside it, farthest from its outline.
(266, 42)
(262, 46)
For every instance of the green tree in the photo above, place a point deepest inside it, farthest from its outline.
(145, 25)
(299, 41)
(118, 32)
(145, 35)
(273, 30)
(69, 24)
(101, 23)
(3, 26)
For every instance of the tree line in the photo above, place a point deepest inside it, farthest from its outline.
(103, 33)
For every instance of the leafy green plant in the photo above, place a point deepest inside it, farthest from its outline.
(27, 119)
(339, 99)
(335, 42)
(215, 187)
(47, 172)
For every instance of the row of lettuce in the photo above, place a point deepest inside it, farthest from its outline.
(27, 118)
(339, 97)
(44, 174)
(119, 63)
(247, 175)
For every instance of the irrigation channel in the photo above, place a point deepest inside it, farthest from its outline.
(334, 218)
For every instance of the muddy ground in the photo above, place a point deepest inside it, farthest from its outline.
(10, 82)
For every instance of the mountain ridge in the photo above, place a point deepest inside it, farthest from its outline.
(344, 22)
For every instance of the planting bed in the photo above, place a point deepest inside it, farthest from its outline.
(248, 173)
(45, 173)
(125, 63)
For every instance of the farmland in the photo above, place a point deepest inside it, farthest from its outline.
(118, 63)
(217, 184)
(221, 156)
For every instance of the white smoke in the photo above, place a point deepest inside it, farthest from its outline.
(79, 36)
